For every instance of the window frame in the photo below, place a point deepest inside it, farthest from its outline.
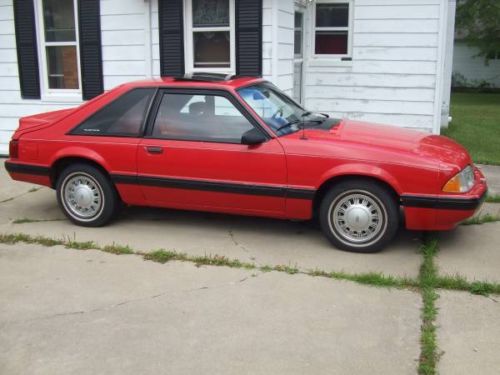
(213, 92)
(144, 124)
(189, 30)
(73, 95)
(340, 57)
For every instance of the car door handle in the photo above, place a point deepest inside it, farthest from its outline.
(154, 149)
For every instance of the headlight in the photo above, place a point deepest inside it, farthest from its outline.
(462, 182)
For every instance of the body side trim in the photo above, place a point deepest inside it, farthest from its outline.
(223, 187)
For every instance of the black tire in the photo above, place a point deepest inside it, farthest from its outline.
(91, 186)
(359, 216)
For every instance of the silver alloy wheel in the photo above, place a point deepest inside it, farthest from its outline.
(357, 218)
(82, 196)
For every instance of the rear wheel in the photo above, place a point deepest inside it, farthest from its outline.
(360, 216)
(86, 195)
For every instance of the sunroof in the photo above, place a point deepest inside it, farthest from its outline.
(208, 77)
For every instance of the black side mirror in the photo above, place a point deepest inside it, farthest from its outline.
(253, 137)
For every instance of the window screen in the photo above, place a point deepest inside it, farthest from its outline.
(122, 117)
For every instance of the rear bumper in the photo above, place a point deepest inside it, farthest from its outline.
(35, 174)
(442, 212)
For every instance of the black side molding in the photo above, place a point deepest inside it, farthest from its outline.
(221, 187)
(442, 203)
(26, 169)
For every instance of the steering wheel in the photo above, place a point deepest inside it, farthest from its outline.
(278, 111)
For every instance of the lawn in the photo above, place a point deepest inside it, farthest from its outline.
(476, 125)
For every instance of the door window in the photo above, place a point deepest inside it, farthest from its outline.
(209, 118)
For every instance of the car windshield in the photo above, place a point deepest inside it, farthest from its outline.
(275, 108)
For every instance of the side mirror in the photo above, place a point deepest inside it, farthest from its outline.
(253, 137)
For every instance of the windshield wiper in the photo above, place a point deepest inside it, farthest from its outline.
(288, 124)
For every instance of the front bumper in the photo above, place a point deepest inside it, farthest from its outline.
(443, 212)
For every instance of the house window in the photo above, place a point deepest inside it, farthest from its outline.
(332, 28)
(59, 50)
(210, 35)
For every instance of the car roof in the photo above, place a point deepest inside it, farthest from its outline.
(231, 82)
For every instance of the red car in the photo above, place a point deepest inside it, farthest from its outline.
(241, 146)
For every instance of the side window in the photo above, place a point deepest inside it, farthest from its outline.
(209, 118)
(122, 117)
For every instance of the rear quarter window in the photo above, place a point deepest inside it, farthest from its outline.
(122, 117)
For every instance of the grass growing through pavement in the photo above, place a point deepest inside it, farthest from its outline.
(475, 125)
(427, 281)
(493, 198)
(481, 219)
(27, 220)
(368, 278)
(164, 256)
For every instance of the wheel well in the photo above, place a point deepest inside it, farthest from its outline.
(61, 164)
(325, 187)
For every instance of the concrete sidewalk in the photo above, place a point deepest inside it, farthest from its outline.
(492, 174)
(87, 312)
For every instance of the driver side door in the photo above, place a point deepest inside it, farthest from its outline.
(192, 157)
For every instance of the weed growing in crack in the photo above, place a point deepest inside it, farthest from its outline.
(427, 281)
(481, 219)
(117, 249)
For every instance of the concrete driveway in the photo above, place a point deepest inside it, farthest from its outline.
(64, 311)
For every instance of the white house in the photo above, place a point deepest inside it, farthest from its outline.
(385, 61)
(470, 70)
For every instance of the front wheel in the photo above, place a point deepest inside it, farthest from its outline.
(360, 216)
(86, 196)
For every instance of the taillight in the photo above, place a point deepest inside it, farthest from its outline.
(14, 149)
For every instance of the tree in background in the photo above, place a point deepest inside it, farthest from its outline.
(478, 21)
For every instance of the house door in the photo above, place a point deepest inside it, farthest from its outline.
(298, 61)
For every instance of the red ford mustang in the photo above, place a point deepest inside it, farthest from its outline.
(241, 146)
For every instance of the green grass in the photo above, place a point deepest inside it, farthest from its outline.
(481, 219)
(493, 198)
(476, 125)
(427, 280)
(28, 220)
(459, 282)
(117, 249)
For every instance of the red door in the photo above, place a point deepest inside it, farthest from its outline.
(194, 158)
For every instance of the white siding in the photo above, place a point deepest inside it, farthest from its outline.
(473, 68)
(277, 49)
(395, 61)
(123, 24)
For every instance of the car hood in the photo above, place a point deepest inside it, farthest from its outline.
(392, 138)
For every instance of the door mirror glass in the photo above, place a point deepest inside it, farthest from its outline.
(253, 137)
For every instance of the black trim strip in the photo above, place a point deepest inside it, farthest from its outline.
(221, 187)
(26, 168)
(442, 203)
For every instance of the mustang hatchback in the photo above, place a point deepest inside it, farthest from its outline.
(242, 146)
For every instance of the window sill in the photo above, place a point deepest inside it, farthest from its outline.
(68, 98)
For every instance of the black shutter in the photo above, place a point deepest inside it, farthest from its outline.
(89, 20)
(249, 38)
(27, 55)
(171, 29)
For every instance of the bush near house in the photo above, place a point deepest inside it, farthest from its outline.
(476, 125)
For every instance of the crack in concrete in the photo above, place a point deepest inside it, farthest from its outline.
(127, 302)
(32, 190)
(242, 247)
